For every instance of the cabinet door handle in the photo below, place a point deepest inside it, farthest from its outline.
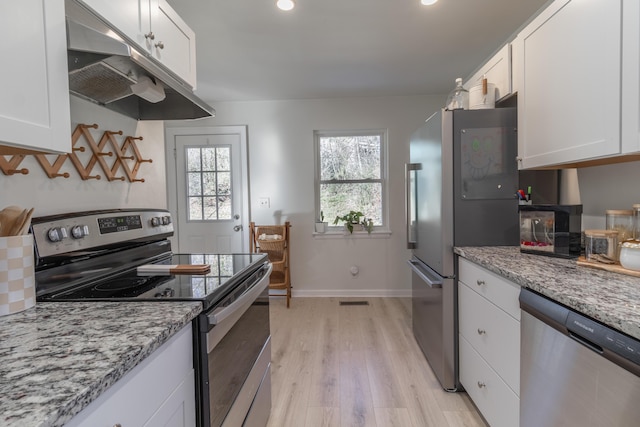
(150, 36)
(479, 282)
(117, 425)
(481, 384)
(160, 45)
(481, 331)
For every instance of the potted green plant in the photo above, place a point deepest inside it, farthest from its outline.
(355, 220)
(321, 226)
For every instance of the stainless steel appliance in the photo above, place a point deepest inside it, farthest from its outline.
(461, 191)
(575, 371)
(94, 256)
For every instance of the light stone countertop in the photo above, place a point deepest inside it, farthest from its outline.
(611, 298)
(57, 357)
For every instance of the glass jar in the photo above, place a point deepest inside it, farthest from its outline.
(630, 256)
(601, 246)
(622, 222)
(636, 222)
(458, 98)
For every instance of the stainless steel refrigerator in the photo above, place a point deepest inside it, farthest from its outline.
(461, 191)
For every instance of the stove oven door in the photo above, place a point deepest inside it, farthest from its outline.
(235, 357)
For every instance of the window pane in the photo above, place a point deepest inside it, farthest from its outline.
(224, 158)
(224, 207)
(350, 157)
(193, 159)
(209, 184)
(210, 208)
(194, 184)
(209, 159)
(224, 183)
(339, 199)
(195, 208)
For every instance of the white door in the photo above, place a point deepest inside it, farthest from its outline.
(208, 192)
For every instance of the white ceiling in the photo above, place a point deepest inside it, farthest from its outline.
(250, 50)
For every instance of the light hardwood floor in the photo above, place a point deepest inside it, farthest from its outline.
(348, 366)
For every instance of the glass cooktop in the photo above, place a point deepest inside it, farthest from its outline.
(226, 269)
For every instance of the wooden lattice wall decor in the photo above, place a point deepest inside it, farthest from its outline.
(126, 154)
(10, 167)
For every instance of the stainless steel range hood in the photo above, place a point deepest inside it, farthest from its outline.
(103, 67)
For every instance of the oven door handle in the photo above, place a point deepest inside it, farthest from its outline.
(252, 292)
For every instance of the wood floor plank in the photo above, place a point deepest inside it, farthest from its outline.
(356, 404)
(392, 417)
(355, 366)
(322, 417)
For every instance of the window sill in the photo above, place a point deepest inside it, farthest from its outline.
(376, 234)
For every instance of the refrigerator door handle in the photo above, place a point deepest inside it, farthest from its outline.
(411, 168)
(433, 279)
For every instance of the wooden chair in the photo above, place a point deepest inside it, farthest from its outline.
(274, 241)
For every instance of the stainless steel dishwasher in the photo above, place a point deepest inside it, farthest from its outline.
(575, 371)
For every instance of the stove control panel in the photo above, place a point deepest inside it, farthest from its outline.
(62, 234)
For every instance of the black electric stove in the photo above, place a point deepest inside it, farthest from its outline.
(94, 256)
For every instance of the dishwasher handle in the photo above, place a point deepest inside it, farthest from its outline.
(430, 277)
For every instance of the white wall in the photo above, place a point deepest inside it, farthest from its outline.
(607, 187)
(281, 167)
(59, 195)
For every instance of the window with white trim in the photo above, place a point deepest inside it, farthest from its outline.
(351, 175)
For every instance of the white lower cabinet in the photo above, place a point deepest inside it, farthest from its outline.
(159, 392)
(499, 405)
(489, 335)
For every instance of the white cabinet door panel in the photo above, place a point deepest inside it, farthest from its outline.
(175, 42)
(497, 402)
(496, 289)
(130, 17)
(34, 106)
(570, 73)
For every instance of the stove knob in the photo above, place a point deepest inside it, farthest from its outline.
(155, 221)
(79, 231)
(57, 234)
(166, 220)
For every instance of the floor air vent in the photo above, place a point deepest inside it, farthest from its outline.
(354, 302)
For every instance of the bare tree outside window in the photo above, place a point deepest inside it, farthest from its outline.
(350, 174)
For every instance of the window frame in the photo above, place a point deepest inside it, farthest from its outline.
(384, 178)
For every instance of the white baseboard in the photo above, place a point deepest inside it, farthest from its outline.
(347, 293)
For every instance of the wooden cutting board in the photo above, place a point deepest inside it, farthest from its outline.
(614, 268)
(161, 269)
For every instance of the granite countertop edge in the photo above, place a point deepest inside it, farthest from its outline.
(610, 298)
(54, 363)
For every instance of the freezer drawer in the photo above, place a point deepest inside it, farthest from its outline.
(433, 316)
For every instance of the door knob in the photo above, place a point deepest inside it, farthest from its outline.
(237, 227)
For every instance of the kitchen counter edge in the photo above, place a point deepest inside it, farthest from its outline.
(610, 298)
(56, 358)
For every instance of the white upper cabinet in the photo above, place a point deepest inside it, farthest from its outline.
(156, 28)
(631, 77)
(175, 43)
(497, 70)
(568, 65)
(34, 106)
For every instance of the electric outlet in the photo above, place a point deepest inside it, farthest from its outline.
(264, 202)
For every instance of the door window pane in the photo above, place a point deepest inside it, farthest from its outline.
(209, 183)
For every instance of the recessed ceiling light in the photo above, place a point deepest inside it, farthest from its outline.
(428, 2)
(285, 4)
